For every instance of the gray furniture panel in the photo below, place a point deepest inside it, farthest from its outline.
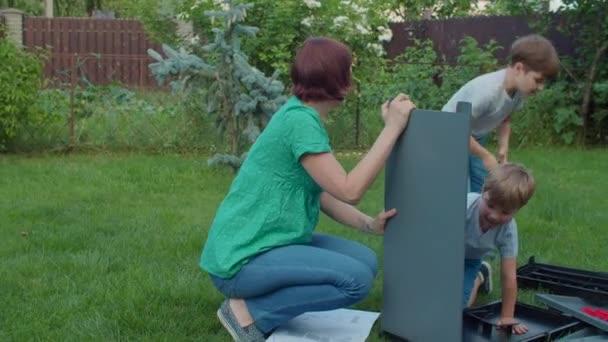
(426, 180)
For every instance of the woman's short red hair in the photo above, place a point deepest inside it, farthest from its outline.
(321, 70)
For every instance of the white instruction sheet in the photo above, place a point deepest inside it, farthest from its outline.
(342, 325)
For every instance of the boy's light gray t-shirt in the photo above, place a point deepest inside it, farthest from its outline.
(491, 103)
(478, 244)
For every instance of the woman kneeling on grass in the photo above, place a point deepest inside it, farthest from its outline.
(261, 251)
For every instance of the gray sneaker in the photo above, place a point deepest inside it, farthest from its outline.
(249, 333)
(486, 277)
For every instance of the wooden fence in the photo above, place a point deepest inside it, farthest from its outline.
(446, 34)
(101, 50)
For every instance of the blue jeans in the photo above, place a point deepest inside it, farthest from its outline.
(471, 268)
(284, 282)
(477, 173)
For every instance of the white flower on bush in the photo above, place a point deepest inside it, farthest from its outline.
(339, 21)
(195, 40)
(225, 6)
(377, 48)
(312, 3)
(307, 21)
(385, 34)
(362, 29)
(219, 3)
(197, 4)
(183, 16)
(358, 9)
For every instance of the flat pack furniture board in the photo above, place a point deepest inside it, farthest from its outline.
(426, 181)
(563, 280)
(588, 334)
(479, 324)
(574, 306)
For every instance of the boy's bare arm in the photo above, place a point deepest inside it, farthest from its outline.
(508, 273)
(503, 132)
(488, 159)
(477, 149)
(509, 295)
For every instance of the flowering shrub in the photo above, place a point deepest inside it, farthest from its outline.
(284, 25)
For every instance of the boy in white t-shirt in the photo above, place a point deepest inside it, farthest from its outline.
(495, 96)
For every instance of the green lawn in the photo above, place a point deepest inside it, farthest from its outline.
(106, 247)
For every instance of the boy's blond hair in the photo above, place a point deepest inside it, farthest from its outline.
(537, 53)
(510, 186)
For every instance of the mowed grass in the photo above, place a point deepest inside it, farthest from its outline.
(106, 247)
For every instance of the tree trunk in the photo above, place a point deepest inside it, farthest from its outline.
(234, 133)
(588, 88)
(48, 8)
(358, 116)
(72, 91)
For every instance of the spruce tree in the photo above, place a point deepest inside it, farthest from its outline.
(240, 97)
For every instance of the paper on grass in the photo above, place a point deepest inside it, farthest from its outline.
(342, 325)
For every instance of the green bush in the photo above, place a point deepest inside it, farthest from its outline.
(20, 81)
(121, 120)
(50, 131)
(416, 73)
(547, 118)
(112, 118)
